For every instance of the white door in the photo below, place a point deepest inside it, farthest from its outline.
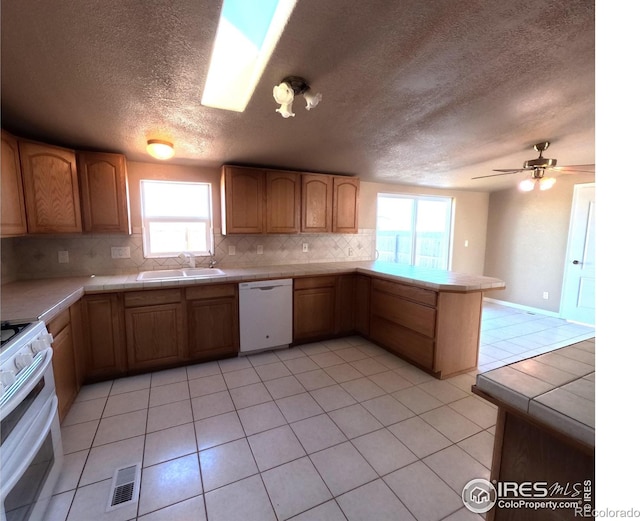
(578, 295)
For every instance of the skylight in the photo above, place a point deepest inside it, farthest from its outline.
(247, 34)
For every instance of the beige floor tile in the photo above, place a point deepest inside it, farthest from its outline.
(206, 385)
(301, 365)
(355, 421)
(243, 500)
(390, 381)
(172, 392)
(116, 428)
(295, 487)
(126, 402)
(298, 407)
(169, 444)
(234, 364)
(326, 359)
(191, 509)
(413, 374)
(59, 506)
(275, 447)
(343, 372)
(131, 383)
(329, 511)
(258, 418)
(317, 433)
(105, 459)
(383, 451)
(78, 437)
(169, 482)
(387, 409)
(456, 467)
(480, 446)
(201, 370)
(373, 502)
(272, 371)
(169, 415)
(249, 395)
(419, 436)
(417, 400)
(333, 397)
(267, 357)
(211, 405)
(464, 514)
(443, 391)
(241, 377)
(94, 391)
(351, 354)
(285, 386)
(362, 389)
(169, 376)
(479, 411)
(450, 423)
(218, 430)
(391, 361)
(72, 466)
(226, 463)
(426, 496)
(84, 411)
(369, 366)
(343, 468)
(90, 502)
(312, 380)
(290, 353)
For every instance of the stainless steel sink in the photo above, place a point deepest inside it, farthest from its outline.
(180, 274)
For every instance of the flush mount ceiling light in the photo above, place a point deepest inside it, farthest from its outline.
(247, 34)
(160, 149)
(289, 87)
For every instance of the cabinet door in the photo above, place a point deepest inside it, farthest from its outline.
(345, 304)
(345, 204)
(50, 188)
(155, 336)
(213, 328)
(64, 370)
(105, 200)
(283, 202)
(14, 219)
(362, 304)
(242, 193)
(317, 207)
(314, 307)
(104, 353)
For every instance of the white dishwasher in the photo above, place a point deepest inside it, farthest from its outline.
(266, 314)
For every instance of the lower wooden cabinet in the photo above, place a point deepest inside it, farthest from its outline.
(314, 308)
(104, 345)
(64, 366)
(154, 324)
(212, 318)
(362, 304)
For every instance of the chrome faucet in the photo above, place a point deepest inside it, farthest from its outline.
(185, 255)
(212, 261)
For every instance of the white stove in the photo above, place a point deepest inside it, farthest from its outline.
(31, 449)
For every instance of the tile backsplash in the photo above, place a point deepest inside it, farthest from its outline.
(34, 257)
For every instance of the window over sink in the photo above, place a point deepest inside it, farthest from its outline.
(176, 218)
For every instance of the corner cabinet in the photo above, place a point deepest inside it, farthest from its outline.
(105, 192)
(329, 203)
(14, 218)
(51, 191)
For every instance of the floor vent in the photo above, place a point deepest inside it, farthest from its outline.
(125, 487)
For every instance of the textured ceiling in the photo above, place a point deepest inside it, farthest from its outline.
(424, 92)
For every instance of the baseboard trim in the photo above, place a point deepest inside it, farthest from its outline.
(535, 311)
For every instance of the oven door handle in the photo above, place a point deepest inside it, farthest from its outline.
(26, 380)
(15, 474)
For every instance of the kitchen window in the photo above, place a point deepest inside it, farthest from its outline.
(414, 230)
(176, 218)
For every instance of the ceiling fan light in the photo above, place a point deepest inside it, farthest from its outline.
(527, 185)
(547, 182)
(160, 149)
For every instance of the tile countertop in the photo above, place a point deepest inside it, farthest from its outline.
(556, 388)
(42, 299)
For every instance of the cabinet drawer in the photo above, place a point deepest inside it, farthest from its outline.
(423, 296)
(59, 322)
(151, 297)
(314, 282)
(416, 317)
(205, 292)
(405, 342)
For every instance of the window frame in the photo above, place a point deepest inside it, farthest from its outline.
(147, 221)
(414, 199)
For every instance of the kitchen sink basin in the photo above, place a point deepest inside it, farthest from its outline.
(180, 274)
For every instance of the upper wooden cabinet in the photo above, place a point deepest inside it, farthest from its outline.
(282, 202)
(105, 193)
(242, 194)
(51, 193)
(329, 203)
(14, 219)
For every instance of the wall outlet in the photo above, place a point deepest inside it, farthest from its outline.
(63, 257)
(545, 295)
(260, 249)
(232, 249)
(120, 252)
(305, 247)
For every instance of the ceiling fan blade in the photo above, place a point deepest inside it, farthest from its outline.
(495, 175)
(570, 169)
(509, 170)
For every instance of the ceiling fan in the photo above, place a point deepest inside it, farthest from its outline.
(537, 167)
